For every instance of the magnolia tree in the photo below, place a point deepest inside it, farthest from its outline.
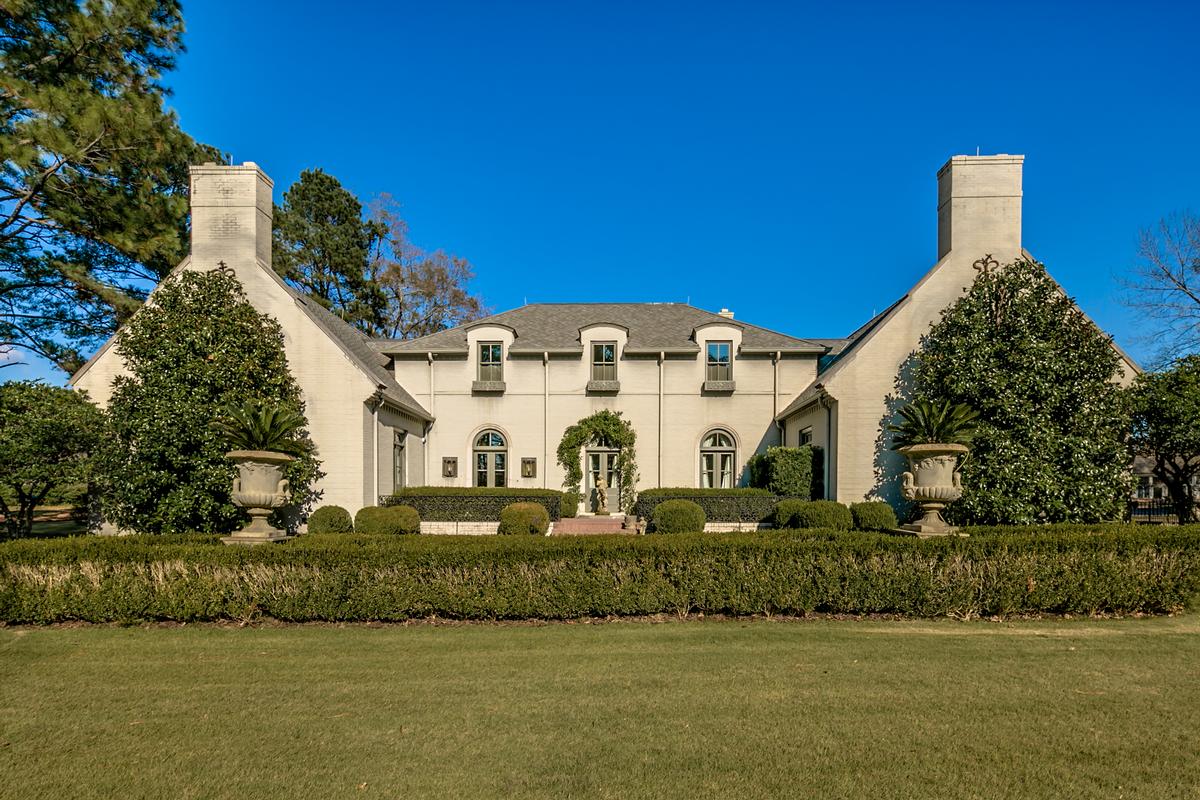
(1166, 429)
(47, 435)
(1050, 440)
(196, 350)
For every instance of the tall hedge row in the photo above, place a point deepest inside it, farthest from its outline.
(350, 577)
(720, 505)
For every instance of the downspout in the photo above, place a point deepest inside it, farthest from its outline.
(375, 401)
(545, 418)
(661, 358)
(775, 397)
(429, 426)
(828, 445)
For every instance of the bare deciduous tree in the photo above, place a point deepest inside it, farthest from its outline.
(1166, 283)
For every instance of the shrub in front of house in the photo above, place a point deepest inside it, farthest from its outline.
(524, 519)
(330, 519)
(470, 504)
(387, 519)
(720, 505)
(873, 516)
(784, 471)
(813, 514)
(678, 516)
(570, 505)
(350, 577)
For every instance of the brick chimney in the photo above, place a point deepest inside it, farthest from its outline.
(231, 216)
(979, 206)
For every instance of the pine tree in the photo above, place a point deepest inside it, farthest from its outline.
(1050, 442)
(93, 206)
(196, 349)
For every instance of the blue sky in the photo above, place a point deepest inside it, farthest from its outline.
(778, 159)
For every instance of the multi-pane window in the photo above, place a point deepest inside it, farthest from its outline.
(604, 361)
(719, 367)
(398, 461)
(491, 459)
(806, 436)
(491, 362)
(717, 457)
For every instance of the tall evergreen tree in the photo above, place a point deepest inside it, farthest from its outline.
(322, 247)
(1050, 442)
(198, 348)
(93, 179)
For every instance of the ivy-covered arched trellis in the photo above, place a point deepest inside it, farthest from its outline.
(603, 429)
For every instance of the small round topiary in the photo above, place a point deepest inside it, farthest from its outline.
(387, 519)
(330, 519)
(524, 519)
(678, 516)
(873, 516)
(570, 505)
(819, 514)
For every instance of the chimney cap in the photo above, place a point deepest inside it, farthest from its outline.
(726, 313)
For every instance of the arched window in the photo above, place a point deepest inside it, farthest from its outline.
(717, 457)
(491, 459)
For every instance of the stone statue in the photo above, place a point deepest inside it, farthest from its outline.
(601, 495)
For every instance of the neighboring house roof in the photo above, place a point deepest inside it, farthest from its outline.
(355, 344)
(652, 327)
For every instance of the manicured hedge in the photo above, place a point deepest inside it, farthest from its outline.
(873, 516)
(570, 505)
(353, 577)
(784, 471)
(813, 514)
(720, 505)
(678, 516)
(393, 520)
(468, 504)
(330, 519)
(524, 519)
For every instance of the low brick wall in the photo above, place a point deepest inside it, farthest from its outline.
(465, 528)
(729, 527)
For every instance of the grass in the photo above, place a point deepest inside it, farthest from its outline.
(747, 709)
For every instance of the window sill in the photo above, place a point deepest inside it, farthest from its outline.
(605, 387)
(488, 387)
(718, 387)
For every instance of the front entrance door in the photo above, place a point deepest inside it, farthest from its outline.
(602, 464)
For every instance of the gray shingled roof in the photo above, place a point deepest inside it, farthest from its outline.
(653, 327)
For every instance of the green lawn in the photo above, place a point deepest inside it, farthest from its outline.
(745, 709)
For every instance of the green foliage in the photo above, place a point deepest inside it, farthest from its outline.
(603, 429)
(524, 519)
(570, 505)
(94, 181)
(873, 516)
(800, 514)
(199, 348)
(390, 520)
(322, 247)
(471, 504)
(934, 422)
(330, 519)
(784, 471)
(262, 426)
(720, 505)
(360, 578)
(1166, 429)
(1049, 442)
(47, 436)
(678, 516)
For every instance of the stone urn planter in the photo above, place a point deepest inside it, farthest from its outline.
(260, 488)
(933, 481)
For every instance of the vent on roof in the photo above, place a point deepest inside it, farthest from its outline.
(726, 313)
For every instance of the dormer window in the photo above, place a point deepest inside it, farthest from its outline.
(491, 362)
(604, 361)
(719, 362)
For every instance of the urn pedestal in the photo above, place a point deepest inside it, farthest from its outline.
(933, 481)
(260, 488)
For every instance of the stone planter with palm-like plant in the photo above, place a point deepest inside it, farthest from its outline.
(262, 442)
(933, 436)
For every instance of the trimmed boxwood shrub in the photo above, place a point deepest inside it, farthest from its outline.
(524, 519)
(389, 519)
(873, 516)
(570, 505)
(330, 519)
(678, 516)
(720, 505)
(470, 504)
(813, 514)
(129, 579)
